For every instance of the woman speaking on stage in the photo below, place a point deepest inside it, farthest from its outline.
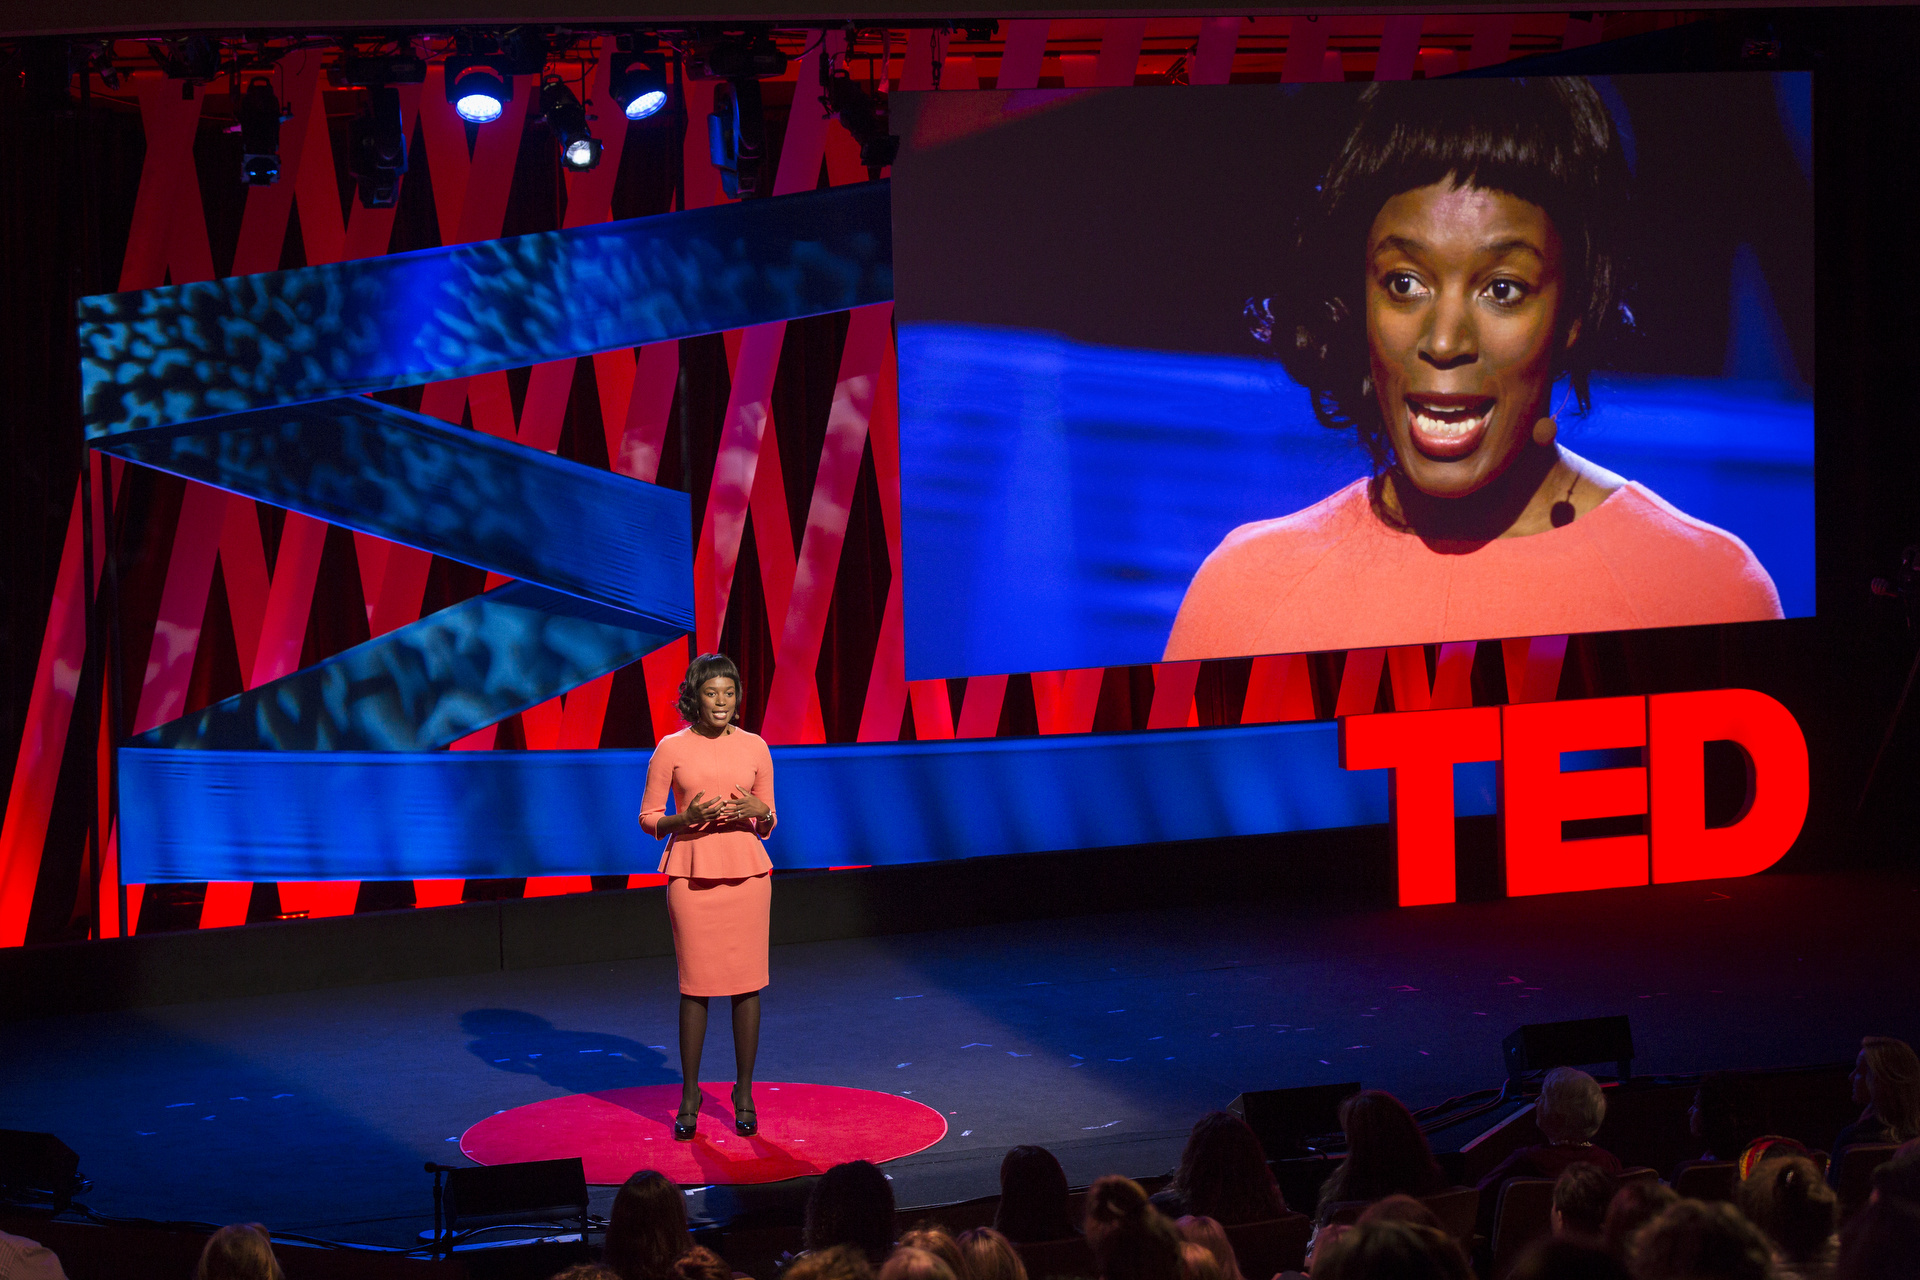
(1462, 258)
(719, 878)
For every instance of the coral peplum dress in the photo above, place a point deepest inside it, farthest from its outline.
(719, 878)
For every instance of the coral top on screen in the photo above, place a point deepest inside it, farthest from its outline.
(1334, 576)
(690, 765)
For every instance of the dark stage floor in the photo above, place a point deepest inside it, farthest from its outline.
(1101, 1037)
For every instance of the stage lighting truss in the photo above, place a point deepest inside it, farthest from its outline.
(560, 108)
(259, 129)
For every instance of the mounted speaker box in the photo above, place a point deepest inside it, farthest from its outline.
(1285, 1119)
(1541, 1046)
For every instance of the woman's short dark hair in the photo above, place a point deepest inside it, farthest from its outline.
(1223, 1173)
(1791, 1202)
(1129, 1238)
(699, 671)
(851, 1204)
(1033, 1197)
(1547, 140)
(647, 1227)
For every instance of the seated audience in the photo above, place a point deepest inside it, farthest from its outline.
(1886, 1081)
(1033, 1198)
(1634, 1205)
(1567, 1258)
(939, 1242)
(1727, 1114)
(1223, 1175)
(1129, 1238)
(840, 1262)
(909, 1263)
(988, 1255)
(701, 1263)
(1695, 1240)
(646, 1228)
(1212, 1237)
(243, 1252)
(1399, 1208)
(1388, 1250)
(1581, 1196)
(1881, 1241)
(24, 1259)
(1796, 1210)
(1569, 1113)
(590, 1271)
(1386, 1155)
(851, 1204)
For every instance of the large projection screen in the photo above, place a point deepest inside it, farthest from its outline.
(1092, 433)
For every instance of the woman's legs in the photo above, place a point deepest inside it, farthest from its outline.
(693, 1038)
(746, 1047)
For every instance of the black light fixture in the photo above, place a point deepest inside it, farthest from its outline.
(377, 148)
(737, 138)
(863, 113)
(478, 90)
(561, 109)
(639, 83)
(259, 127)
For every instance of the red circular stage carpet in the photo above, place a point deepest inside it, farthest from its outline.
(804, 1128)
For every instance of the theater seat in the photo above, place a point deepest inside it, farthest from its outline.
(1641, 1173)
(1853, 1177)
(1278, 1244)
(1714, 1180)
(1057, 1258)
(1458, 1211)
(1524, 1214)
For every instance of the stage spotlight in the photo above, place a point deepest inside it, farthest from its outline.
(477, 89)
(737, 138)
(639, 83)
(865, 116)
(377, 149)
(579, 149)
(259, 114)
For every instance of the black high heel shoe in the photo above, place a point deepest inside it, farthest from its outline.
(745, 1125)
(685, 1123)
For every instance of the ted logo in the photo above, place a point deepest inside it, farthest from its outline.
(1420, 749)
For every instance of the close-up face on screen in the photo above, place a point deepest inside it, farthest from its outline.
(1210, 372)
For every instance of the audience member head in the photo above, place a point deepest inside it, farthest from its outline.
(1198, 1263)
(592, 1271)
(1210, 1235)
(1771, 1146)
(701, 1263)
(1388, 1250)
(1886, 1078)
(1571, 1106)
(647, 1227)
(1881, 1241)
(1634, 1205)
(1566, 1258)
(1400, 1208)
(241, 1252)
(841, 1262)
(988, 1255)
(909, 1263)
(939, 1242)
(1223, 1172)
(1386, 1153)
(1129, 1238)
(1033, 1197)
(1727, 1113)
(851, 1204)
(1792, 1205)
(1695, 1240)
(1581, 1196)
